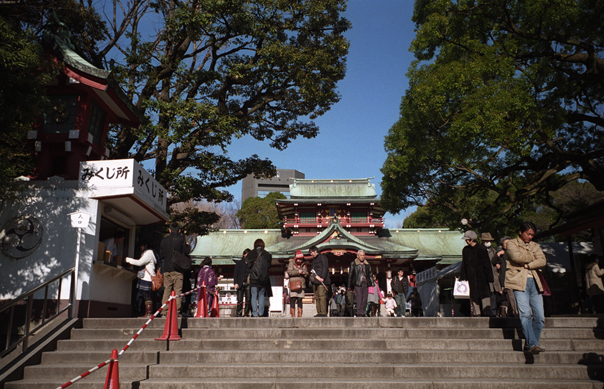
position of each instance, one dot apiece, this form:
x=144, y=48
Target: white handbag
x=461, y=289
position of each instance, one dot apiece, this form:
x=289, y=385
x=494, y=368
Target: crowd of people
x=503, y=281
x=507, y=281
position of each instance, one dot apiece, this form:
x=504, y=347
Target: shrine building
x=340, y=217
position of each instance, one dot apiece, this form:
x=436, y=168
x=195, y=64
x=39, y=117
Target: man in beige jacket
x=524, y=258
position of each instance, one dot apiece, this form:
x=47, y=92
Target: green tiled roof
x=226, y=246
x=431, y=242
x=352, y=188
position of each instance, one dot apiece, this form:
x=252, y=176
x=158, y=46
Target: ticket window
x=107, y=231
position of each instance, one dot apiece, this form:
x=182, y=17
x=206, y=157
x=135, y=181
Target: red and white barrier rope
x=97, y=367
x=84, y=374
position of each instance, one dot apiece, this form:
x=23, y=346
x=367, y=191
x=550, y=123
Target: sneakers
x=535, y=350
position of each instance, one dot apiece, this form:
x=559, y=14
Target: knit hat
x=299, y=254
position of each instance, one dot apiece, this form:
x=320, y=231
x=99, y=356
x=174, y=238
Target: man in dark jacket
x=320, y=280
x=241, y=286
x=360, y=277
x=400, y=288
x=476, y=269
x=258, y=262
x=173, y=280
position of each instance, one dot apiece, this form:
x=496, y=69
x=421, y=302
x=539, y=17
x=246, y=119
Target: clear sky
x=351, y=141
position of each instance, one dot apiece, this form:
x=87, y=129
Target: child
x=390, y=305
x=341, y=301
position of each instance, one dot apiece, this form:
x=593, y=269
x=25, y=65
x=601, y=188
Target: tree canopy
x=207, y=72
x=545, y=213
x=504, y=103
x=260, y=212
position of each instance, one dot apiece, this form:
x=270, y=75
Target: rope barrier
x=76, y=379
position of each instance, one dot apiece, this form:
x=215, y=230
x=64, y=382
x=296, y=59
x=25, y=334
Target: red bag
x=544, y=286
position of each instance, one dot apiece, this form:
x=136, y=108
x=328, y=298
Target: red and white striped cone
x=113, y=377
x=215, y=312
x=171, y=327
x=202, y=303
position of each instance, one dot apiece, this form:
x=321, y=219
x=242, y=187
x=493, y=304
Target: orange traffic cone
x=113, y=377
x=202, y=303
x=171, y=327
x=215, y=312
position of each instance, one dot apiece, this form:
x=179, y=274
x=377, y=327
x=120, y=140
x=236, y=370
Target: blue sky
x=351, y=141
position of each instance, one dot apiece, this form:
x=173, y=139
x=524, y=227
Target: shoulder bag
x=157, y=280
x=296, y=285
x=544, y=286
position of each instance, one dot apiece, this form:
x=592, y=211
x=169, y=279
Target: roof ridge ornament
x=58, y=30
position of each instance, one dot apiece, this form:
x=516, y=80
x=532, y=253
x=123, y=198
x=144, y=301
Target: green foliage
x=544, y=211
x=508, y=109
x=257, y=212
x=23, y=75
x=25, y=71
x=212, y=71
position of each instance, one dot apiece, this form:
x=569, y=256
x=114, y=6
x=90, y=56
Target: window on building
x=96, y=122
x=358, y=217
x=307, y=217
x=60, y=114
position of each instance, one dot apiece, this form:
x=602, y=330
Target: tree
x=260, y=212
x=545, y=212
x=208, y=71
x=505, y=98
x=224, y=214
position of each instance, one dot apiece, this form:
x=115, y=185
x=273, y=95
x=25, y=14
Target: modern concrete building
x=253, y=187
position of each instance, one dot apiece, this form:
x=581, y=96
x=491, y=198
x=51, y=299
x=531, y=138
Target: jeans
x=401, y=303
x=527, y=301
x=258, y=294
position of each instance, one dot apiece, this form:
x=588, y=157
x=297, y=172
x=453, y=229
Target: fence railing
x=28, y=299
x=344, y=220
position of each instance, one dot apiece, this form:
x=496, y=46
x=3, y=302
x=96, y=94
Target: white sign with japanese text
x=122, y=173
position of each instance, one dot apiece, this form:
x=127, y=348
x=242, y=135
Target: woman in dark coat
x=476, y=269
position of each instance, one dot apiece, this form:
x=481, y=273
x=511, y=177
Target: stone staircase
x=329, y=353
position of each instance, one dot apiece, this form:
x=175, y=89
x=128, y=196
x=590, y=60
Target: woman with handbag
x=374, y=296
x=145, y=284
x=297, y=271
x=207, y=276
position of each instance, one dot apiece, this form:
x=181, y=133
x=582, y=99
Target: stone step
x=284, y=322
x=96, y=357
x=376, y=344
x=129, y=371
x=339, y=383
x=143, y=344
x=335, y=332
x=91, y=382
x=375, y=357
x=98, y=381
x=370, y=371
x=350, y=356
